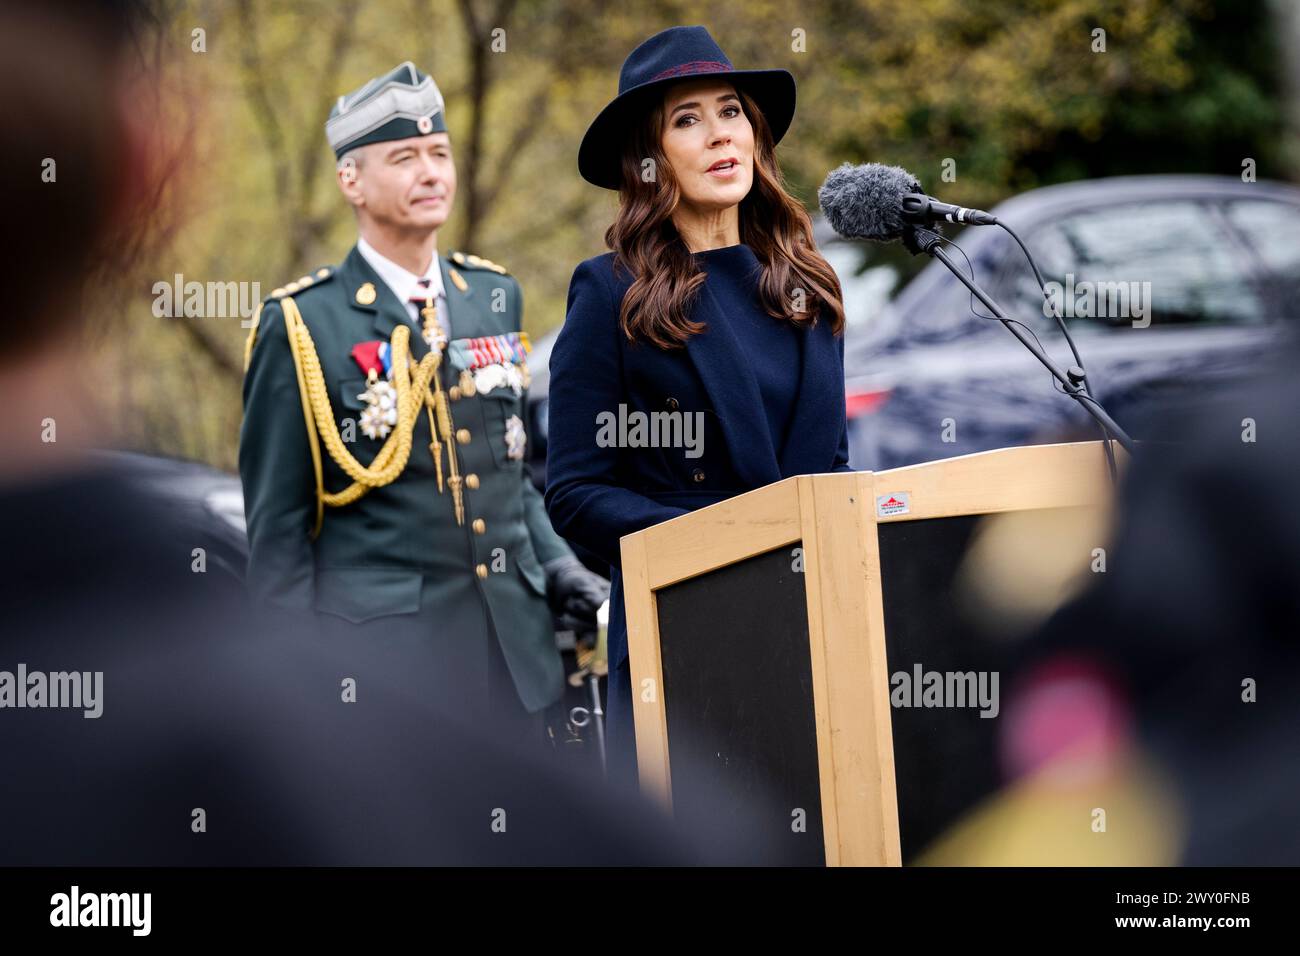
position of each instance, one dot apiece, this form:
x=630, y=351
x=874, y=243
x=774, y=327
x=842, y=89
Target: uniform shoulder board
x=476, y=262
x=315, y=278
x=289, y=288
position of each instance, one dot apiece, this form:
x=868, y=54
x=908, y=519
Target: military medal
x=490, y=362
x=498, y=376
x=515, y=438
x=379, y=416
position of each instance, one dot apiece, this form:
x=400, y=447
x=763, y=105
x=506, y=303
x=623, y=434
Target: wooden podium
x=763, y=632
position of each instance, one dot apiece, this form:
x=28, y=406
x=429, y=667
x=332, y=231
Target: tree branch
x=254, y=81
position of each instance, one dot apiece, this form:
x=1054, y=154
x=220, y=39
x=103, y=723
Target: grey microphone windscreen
x=865, y=202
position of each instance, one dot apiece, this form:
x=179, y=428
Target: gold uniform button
x=471, y=481
x=462, y=436
x=454, y=392
x=481, y=570
x=480, y=526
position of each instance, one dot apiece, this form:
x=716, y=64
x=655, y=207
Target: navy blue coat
x=597, y=495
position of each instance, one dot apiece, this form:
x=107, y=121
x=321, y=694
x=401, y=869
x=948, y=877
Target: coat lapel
x=462, y=308
x=462, y=313
x=733, y=390
x=814, y=430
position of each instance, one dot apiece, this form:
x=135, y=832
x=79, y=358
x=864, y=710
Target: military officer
x=383, y=445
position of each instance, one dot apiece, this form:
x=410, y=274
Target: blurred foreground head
x=74, y=161
x=83, y=164
x=1165, y=698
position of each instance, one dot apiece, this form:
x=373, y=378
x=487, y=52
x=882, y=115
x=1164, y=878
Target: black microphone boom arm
x=918, y=240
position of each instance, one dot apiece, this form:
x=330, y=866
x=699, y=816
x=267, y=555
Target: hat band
x=693, y=68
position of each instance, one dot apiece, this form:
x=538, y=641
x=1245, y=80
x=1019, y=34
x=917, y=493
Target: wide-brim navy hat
x=668, y=56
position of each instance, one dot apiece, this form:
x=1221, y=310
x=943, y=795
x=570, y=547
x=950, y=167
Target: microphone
x=866, y=202
x=886, y=203
x=881, y=203
x=922, y=210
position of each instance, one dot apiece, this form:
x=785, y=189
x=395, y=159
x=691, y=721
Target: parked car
x=927, y=378
x=205, y=499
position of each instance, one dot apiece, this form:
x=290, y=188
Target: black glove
x=573, y=591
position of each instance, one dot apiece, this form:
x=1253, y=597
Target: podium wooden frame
x=835, y=516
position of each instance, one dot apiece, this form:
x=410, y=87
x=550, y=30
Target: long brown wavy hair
x=666, y=278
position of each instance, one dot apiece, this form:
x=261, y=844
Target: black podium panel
x=945, y=758
x=738, y=701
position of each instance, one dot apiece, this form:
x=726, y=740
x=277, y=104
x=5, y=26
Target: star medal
x=379, y=415
x=515, y=438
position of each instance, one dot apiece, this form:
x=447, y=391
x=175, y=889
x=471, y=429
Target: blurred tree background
x=1015, y=93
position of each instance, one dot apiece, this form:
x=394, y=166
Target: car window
x=1273, y=230
x=1134, y=265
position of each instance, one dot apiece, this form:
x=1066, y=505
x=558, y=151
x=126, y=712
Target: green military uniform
x=398, y=562
x=385, y=490
x=382, y=458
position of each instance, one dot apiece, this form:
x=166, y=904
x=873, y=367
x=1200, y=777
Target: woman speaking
x=714, y=306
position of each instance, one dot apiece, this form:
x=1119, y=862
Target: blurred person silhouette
x=145, y=716
x=1171, y=687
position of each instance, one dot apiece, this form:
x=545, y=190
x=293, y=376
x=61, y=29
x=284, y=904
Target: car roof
x=1037, y=204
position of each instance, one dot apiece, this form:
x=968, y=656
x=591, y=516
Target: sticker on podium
x=896, y=504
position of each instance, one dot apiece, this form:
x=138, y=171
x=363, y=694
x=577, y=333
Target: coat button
x=480, y=526
x=481, y=570
x=471, y=482
x=673, y=404
x=697, y=475
x=454, y=393
x=462, y=436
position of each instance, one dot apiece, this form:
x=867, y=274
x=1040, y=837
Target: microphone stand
x=918, y=239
